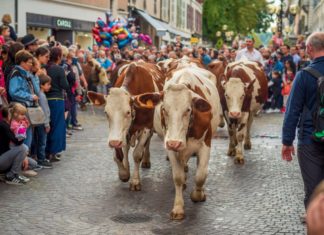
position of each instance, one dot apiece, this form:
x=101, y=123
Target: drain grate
x=131, y=218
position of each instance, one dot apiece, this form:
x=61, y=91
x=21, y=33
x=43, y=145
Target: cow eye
x=128, y=113
x=188, y=110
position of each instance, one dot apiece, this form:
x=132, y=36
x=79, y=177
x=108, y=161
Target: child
x=19, y=122
x=285, y=93
x=276, y=86
x=40, y=132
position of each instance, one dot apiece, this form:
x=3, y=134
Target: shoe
x=15, y=180
x=269, y=111
x=29, y=173
x=276, y=110
x=69, y=132
x=77, y=128
x=45, y=164
x=38, y=168
x=24, y=178
x=56, y=158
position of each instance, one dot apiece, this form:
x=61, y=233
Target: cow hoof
x=186, y=168
x=231, y=152
x=167, y=158
x=135, y=187
x=177, y=215
x=239, y=160
x=184, y=186
x=247, y=146
x=198, y=196
x=124, y=177
x=146, y=165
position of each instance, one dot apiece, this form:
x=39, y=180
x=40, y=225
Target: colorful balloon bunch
x=118, y=31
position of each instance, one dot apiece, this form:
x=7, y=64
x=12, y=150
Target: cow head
x=98, y=72
x=237, y=96
x=182, y=114
x=119, y=112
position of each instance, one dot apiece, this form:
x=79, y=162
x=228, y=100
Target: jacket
x=7, y=136
x=303, y=93
x=19, y=89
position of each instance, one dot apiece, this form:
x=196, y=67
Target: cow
x=187, y=115
x=127, y=122
x=242, y=94
x=94, y=73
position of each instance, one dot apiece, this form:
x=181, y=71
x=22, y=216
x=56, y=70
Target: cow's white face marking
x=177, y=111
x=119, y=114
x=234, y=95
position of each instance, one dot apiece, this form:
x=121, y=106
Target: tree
x=241, y=16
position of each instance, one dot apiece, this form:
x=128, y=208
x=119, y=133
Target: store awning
x=176, y=31
x=160, y=30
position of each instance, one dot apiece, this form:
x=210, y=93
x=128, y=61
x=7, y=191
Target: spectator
x=275, y=86
x=304, y=60
x=40, y=132
x=205, y=58
x=56, y=138
x=300, y=106
x=5, y=33
x=285, y=49
x=249, y=52
x=42, y=55
x=11, y=160
x=294, y=54
x=6, y=20
x=30, y=43
x=23, y=85
x=9, y=64
x=315, y=212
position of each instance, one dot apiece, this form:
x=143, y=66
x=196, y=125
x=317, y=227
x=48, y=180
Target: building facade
x=64, y=19
x=317, y=16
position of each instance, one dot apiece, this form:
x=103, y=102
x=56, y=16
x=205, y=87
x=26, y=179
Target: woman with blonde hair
x=6, y=20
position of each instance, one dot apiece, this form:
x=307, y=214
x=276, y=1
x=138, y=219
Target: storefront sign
x=194, y=40
x=63, y=23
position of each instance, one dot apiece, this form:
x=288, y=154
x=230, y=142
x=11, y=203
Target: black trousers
x=311, y=163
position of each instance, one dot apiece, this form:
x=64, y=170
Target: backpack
x=14, y=72
x=318, y=116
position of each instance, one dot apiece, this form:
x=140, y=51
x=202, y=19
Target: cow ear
x=147, y=100
x=223, y=81
x=201, y=105
x=96, y=98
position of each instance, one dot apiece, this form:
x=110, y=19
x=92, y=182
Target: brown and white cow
x=242, y=95
x=94, y=73
x=130, y=125
x=187, y=115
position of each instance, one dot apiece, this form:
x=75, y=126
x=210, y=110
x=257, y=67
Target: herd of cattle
x=184, y=103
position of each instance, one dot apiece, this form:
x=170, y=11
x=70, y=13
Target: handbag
x=36, y=115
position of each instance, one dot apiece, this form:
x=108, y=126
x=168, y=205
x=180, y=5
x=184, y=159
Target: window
x=155, y=8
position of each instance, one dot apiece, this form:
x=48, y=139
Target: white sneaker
x=269, y=111
x=276, y=110
x=23, y=178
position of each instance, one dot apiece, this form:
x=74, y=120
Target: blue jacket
x=19, y=90
x=303, y=92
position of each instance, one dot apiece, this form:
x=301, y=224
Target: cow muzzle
x=235, y=115
x=115, y=144
x=173, y=145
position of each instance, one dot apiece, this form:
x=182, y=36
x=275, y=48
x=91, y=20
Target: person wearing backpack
x=301, y=110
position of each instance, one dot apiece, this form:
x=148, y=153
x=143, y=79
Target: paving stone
x=82, y=193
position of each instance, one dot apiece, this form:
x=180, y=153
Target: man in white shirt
x=249, y=52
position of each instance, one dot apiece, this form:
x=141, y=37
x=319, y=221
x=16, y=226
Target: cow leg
x=239, y=158
x=121, y=158
x=247, y=141
x=146, y=163
x=135, y=184
x=232, y=140
x=198, y=194
x=178, y=173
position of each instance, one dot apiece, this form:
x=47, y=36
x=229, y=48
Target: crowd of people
x=48, y=74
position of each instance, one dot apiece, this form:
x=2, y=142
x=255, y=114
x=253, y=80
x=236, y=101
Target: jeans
x=311, y=163
x=39, y=143
x=11, y=161
x=29, y=137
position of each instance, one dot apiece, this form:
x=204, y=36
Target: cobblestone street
x=83, y=195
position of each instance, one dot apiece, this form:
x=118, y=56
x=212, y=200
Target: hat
x=28, y=39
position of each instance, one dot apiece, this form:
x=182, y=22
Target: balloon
x=106, y=43
x=135, y=35
x=97, y=38
x=122, y=43
x=107, y=29
x=134, y=43
x=95, y=30
x=122, y=36
x=105, y=35
x=117, y=31
x=101, y=23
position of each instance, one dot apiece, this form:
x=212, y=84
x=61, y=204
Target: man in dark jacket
x=300, y=107
x=11, y=160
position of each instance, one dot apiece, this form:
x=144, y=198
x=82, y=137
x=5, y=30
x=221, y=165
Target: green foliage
x=241, y=16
